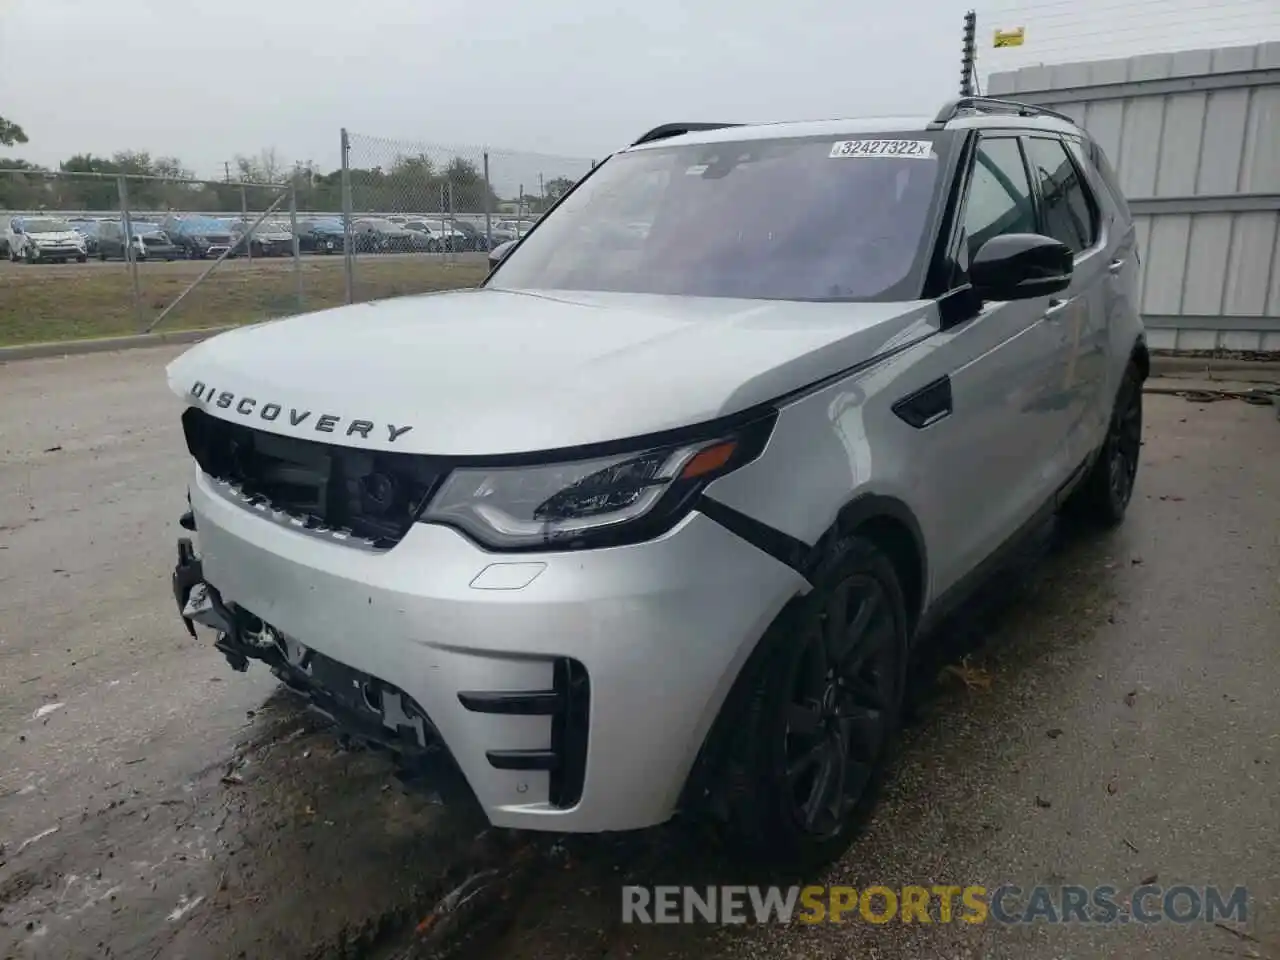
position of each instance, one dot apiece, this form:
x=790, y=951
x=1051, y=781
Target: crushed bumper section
x=369, y=710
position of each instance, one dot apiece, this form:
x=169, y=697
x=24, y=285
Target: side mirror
x=1020, y=266
x=497, y=254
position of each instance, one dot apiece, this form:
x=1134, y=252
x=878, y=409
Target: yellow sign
x=1010, y=38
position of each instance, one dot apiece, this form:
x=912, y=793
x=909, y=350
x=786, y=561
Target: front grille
x=372, y=496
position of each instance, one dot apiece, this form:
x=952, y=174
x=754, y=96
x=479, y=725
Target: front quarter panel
x=841, y=441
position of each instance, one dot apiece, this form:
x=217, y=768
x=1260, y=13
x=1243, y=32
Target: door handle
x=1055, y=307
x=1116, y=266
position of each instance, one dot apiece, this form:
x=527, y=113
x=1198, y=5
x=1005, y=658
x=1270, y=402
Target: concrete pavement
x=1120, y=721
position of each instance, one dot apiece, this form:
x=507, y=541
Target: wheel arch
x=888, y=523
x=891, y=525
x=1140, y=357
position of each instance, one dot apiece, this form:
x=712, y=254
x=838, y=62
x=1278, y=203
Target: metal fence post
x=488, y=212
x=348, y=242
x=126, y=223
x=453, y=227
x=244, y=215
x=293, y=232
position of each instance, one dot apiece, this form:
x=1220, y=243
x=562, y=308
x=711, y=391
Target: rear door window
x=1068, y=211
x=1098, y=158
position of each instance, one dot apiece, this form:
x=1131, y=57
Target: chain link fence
x=108, y=254
x=85, y=255
x=404, y=201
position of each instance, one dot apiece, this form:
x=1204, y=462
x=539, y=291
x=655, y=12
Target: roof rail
x=953, y=109
x=676, y=129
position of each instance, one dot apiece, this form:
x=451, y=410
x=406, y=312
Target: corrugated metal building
x=1195, y=138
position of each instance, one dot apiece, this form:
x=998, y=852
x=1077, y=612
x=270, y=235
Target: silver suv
x=655, y=518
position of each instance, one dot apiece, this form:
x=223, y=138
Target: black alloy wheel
x=808, y=731
x=837, y=719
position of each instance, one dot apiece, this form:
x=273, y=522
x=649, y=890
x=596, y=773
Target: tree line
x=409, y=183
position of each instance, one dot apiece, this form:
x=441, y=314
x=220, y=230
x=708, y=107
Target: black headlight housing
x=594, y=500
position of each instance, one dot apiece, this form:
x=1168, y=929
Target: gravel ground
x=1113, y=718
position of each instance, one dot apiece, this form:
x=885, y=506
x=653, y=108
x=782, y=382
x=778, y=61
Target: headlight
x=603, y=501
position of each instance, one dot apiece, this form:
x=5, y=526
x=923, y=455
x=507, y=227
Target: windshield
x=787, y=219
x=46, y=226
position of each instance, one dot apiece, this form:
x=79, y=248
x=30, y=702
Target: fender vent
x=927, y=405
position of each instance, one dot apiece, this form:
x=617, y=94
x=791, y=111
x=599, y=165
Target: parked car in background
x=378, y=235
x=321, y=235
x=87, y=227
x=423, y=237
x=272, y=238
x=516, y=228
x=435, y=237
x=199, y=237
x=473, y=237
x=149, y=242
x=44, y=239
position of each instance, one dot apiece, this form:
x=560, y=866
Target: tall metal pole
x=126, y=223
x=453, y=225
x=293, y=234
x=969, y=55
x=348, y=239
x=488, y=213
x=244, y=216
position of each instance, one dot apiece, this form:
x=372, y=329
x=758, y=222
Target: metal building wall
x=1195, y=138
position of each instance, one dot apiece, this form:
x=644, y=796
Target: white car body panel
x=472, y=383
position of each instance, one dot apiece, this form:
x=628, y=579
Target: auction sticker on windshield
x=909, y=149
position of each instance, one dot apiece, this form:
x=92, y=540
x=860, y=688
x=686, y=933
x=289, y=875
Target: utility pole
x=969, y=56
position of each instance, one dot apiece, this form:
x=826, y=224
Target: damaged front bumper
x=370, y=711
x=573, y=690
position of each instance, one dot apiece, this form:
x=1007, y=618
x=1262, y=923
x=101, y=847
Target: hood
x=55, y=236
x=485, y=372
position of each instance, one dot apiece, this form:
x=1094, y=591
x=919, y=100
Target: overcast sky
x=206, y=81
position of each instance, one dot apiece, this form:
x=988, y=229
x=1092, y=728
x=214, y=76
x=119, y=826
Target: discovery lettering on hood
x=323, y=423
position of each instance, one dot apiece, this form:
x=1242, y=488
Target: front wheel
x=1103, y=496
x=811, y=730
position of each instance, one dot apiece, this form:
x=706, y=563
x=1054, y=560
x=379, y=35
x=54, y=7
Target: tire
x=102, y=256
x=1102, y=498
x=802, y=717
x=30, y=257
x=83, y=258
